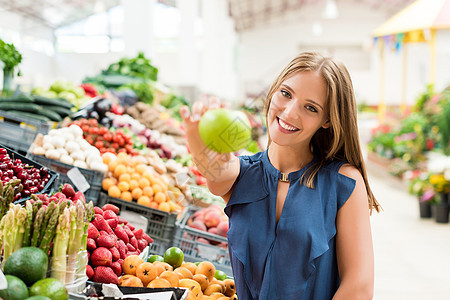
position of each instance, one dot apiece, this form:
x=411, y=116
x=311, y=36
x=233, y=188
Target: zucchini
x=21, y=106
x=18, y=98
x=29, y=115
x=53, y=116
x=49, y=101
x=62, y=111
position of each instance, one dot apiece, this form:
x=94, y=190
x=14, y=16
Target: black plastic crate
x=94, y=178
x=160, y=224
x=53, y=178
x=18, y=133
x=192, y=242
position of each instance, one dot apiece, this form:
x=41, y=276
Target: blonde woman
x=298, y=211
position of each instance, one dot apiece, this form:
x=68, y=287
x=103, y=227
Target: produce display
x=110, y=241
x=210, y=219
x=201, y=278
x=19, y=179
x=36, y=107
x=57, y=224
x=136, y=178
x=67, y=90
x=68, y=146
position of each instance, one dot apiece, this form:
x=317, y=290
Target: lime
x=174, y=257
x=224, y=130
x=154, y=258
x=28, y=263
x=17, y=289
x=38, y=298
x=51, y=288
x=220, y=275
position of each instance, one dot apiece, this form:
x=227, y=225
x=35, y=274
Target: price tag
x=151, y=296
x=135, y=219
x=78, y=179
x=208, y=252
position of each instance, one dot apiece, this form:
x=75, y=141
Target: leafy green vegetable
x=139, y=66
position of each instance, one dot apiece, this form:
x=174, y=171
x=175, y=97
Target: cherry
x=35, y=182
x=26, y=193
x=3, y=166
x=3, y=151
x=17, y=162
x=9, y=172
x=28, y=183
x=43, y=171
x=41, y=186
x=33, y=189
x=17, y=169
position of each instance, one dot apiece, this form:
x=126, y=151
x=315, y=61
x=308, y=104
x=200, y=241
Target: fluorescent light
x=331, y=10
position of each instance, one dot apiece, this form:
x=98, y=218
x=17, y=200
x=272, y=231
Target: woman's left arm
x=354, y=243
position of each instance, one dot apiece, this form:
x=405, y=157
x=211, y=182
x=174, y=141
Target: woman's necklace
x=283, y=177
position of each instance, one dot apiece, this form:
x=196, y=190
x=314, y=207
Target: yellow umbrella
x=428, y=15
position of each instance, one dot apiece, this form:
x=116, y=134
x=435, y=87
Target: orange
x=114, y=191
x=148, y=191
x=136, y=176
x=144, y=200
x=143, y=182
x=160, y=197
x=141, y=168
x=157, y=188
x=190, y=266
x=136, y=193
x=149, y=176
x=108, y=157
x=133, y=184
x=130, y=264
x=112, y=165
x=159, y=283
x=170, y=277
x=154, y=204
x=107, y=183
x=126, y=196
x=206, y=268
x=164, y=207
x=184, y=273
x=119, y=170
x=146, y=272
x=124, y=186
x=123, y=158
x=125, y=177
x=130, y=280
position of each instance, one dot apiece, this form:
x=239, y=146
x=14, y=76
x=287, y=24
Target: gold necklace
x=284, y=177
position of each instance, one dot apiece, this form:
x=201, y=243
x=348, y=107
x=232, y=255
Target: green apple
x=224, y=130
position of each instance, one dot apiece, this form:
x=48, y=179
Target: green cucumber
x=53, y=116
x=21, y=106
x=29, y=115
x=49, y=101
x=18, y=98
x=62, y=111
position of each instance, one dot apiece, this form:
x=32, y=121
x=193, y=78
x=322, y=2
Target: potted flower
x=420, y=186
x=441, y=207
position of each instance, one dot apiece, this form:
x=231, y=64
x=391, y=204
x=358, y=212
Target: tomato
x=84, y=122
x=85, y=128
x=121, y=141
x=99, y=144
x=122, y=150
x=108, y=137
x=77, y=122
x=115, y=146
x=224, y=130
x=102, y=150
x=116, y=138
x=93, y=130
x=93, y=122
x=89, y=140
x=102, y=130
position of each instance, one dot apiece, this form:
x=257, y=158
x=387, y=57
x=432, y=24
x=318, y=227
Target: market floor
x=412, y=255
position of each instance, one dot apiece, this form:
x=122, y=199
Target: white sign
x=78, y=179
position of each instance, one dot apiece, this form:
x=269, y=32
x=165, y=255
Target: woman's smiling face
x=298, y=108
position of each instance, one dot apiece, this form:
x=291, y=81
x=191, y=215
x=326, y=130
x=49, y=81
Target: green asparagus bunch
x=7, y=193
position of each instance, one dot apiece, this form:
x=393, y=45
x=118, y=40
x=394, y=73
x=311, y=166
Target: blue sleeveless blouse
x=296, y=258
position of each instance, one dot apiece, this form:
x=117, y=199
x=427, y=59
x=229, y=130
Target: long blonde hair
x=341, y=140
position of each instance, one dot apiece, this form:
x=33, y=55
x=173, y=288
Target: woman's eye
x=286, y=93
x=311, y=108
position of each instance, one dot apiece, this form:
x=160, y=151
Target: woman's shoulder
x=252, y=158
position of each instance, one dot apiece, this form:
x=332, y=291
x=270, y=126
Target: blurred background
x=397, y=52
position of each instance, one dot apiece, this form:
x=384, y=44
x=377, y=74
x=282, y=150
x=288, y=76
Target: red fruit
x=89, y=271
x=112, y=223
x=109, y=214
x=120, y=261
x=112, y=207
x=79, y=196
x=88, y=255
x=105, y=275
x=132, y=228
x=98, y=210
x=128, y=231
x=122, y=249
x=117, y=268
x=134, y=242
x=122, y=220
x=198, y=225
x=133, y=253
x=138, y=233
x=101, y=224
x=106, y=241
x=147, y=238
x=101, y=257
x=142, y=244
x=115, y=253
x=93, y=232
x=91, y=245
x=43, y=197
x=68, y=190
x=130, y=247
x=222, y=228
x=121, y=234
x=59, y=195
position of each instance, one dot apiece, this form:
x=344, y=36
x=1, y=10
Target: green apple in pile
x=224, y=130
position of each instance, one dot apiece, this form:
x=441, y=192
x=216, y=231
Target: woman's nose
x=291, y=110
